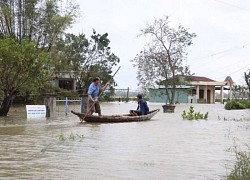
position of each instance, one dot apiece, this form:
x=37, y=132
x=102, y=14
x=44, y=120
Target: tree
x=86, y=58
x=239, y=91
x=161, y=60
x=41, y=21
x=21, y=68
x=28, y=31
x=247, y=80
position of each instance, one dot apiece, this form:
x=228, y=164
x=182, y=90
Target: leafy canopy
x=29, y=30
x=22, y=67
x=85, y=58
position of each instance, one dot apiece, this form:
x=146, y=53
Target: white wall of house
x=208, y=91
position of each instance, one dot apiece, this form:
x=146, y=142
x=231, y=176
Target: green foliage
x=61, y=137
x=237, y=104
x=21, y=66
x=247, y=80
x=191, y=115
x=239, y=91
x=86, y=58
x=70, y=94
x=28, y=32
x=246, y=103
x=242, y=166
x=71, y=137
x=106, y=96
x=39, y=21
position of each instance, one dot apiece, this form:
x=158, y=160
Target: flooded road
x=165, y=147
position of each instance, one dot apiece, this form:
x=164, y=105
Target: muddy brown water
x=165, y=147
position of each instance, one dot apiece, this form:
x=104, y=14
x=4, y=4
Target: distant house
x=197, y=90
x=64, y=80
x=181, y=95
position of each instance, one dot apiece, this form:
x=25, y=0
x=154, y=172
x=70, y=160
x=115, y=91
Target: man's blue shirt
x=94, y=90
x=143, y=107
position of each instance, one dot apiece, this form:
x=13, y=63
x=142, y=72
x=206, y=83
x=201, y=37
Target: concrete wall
x=184, y=96
x=158, y=95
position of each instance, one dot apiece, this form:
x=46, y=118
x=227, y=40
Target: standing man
x=93, y=94
x=142, y=108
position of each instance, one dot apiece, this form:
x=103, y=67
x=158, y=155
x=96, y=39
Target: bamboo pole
x=82, y=119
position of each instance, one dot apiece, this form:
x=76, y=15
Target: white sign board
x=36, y=111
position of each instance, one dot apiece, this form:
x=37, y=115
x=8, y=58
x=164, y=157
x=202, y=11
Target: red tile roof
x=200, y=78
x=229, y=81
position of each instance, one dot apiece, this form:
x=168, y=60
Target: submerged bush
x=246, y=103
x=242, y=166
x=72, y=137
x=237, y=104
x=191, y=115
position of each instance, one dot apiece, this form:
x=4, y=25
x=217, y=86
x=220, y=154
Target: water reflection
x=164, y=148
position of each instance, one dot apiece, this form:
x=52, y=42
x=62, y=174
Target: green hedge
x=237, y=104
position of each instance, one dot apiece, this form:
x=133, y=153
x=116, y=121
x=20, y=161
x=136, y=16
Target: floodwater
x=165, y=147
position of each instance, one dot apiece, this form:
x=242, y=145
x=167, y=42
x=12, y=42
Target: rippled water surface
x=165, y=147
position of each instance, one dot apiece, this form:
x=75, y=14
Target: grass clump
x=191, y=115
x=242, y=166
x=72, y=137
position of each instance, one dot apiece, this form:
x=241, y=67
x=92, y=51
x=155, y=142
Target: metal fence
x=66, y=105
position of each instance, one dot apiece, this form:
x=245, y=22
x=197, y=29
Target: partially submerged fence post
x=127, y=99
x=84, y=103
x=66, y=106
x=50, y=103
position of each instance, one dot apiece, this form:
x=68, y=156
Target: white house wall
x=206, y=98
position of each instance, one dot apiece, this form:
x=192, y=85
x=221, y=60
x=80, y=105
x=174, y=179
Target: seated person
x=142, y=108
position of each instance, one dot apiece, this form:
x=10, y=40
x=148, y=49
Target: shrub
x=236, y=104
x=246, y=103
x=191, y=115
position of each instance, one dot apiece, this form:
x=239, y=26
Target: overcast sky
x=221, y=48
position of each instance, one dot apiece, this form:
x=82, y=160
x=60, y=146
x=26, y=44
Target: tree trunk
x=173, y=94
x=5, y=107
x=168, y=96
x=249, y=93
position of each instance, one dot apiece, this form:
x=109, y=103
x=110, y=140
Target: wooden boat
x=115, y=118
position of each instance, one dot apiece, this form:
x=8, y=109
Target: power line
x=228, y=50
x=245, y=67
x=232, y=5
x=240, y=69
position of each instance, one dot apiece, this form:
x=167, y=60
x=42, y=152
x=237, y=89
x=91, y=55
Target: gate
x=63, y=106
